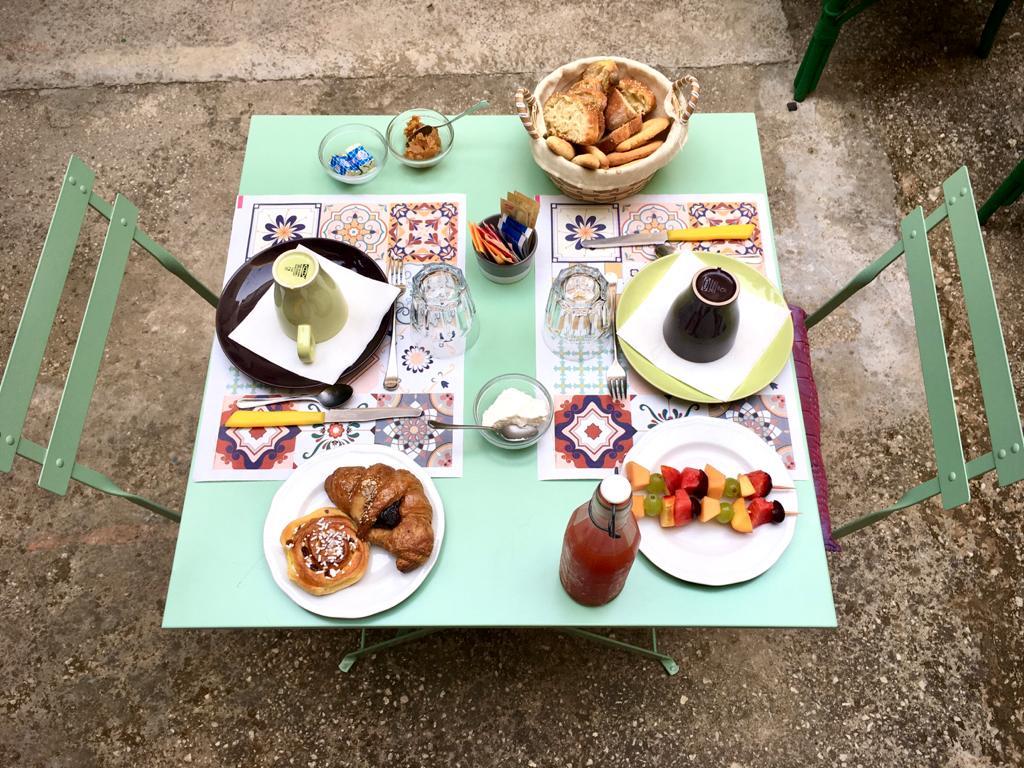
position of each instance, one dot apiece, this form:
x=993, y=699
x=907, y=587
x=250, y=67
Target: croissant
x=389, y=509
x=324, y=553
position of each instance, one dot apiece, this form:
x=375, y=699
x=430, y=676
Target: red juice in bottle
x=600, y=544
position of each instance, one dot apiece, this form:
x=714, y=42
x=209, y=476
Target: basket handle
x=679, y=87
x=526, y=107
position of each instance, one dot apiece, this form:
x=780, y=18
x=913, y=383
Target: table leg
x=407, y=635
x=403, y=636
x=667, y=661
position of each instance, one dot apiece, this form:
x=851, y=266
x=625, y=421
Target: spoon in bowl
x=426, y=129
x=510, y=431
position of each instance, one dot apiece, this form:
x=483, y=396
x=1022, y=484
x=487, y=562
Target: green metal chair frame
x=58, y=457
x=1000, y=402
x=1011, y=190
x=835, y=13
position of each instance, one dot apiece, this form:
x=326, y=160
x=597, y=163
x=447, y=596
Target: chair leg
x=1008, y=192
x=826, y=32
x=995, y=20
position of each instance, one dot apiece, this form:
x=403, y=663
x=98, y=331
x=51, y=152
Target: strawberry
x=672, y=478
x=761, y=482
x=694, y=482
x=686, y=508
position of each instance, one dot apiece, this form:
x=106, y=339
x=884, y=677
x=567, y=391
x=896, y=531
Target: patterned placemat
x=420, y=230
x=591, y=431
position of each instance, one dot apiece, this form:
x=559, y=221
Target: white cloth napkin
x=760, y=321
x=368, y=301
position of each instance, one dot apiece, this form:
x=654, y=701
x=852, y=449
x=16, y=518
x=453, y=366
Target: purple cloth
x=812, y=420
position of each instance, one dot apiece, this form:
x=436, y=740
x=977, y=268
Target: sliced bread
x=618, y=111
x=606, y=71
x=620, y=134
x=572, y=117
x=591, y=91
x=639, y=96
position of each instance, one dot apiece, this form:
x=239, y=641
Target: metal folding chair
x=1000, y=402
x=1007, y=193
x=58, y=458
x=835, y=13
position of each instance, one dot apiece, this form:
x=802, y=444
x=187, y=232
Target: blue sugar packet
x=354, y=161
x=514, y=233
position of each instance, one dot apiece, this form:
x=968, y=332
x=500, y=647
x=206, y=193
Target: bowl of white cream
x=517, y=398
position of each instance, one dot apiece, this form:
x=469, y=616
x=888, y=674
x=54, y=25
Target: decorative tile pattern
x=586, y=433
x=424, y=232
x=571, y=223
x=648, y=411
x=415, y=437
x=765, y=416
x=709, y=214
x=363, y=225
x=275, y=223
x=650, y=217
x=416, y=359
x=419, y=230
x=592, y=431
x=261, y=448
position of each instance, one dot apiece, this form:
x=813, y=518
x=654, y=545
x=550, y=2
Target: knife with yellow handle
x=302, y=418
x=690, y=235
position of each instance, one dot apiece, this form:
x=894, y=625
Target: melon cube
x=637, y=475
x=716, y=482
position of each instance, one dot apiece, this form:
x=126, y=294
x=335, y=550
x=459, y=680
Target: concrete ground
x=926, y=666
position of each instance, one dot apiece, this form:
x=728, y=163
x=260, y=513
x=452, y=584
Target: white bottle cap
x=616, y=490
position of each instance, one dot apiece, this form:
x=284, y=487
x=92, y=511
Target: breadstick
x=561, y=147
x=587, y=161
x=650, y=129
x=621, y=158
x=592, y=150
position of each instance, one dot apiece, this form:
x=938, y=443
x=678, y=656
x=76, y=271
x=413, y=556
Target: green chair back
x=1000, y=402
x=58, y=458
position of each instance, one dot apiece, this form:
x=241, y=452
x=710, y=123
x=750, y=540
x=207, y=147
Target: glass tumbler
x=576, y=319
x=443, y=312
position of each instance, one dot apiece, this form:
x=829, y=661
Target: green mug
x=309, y=304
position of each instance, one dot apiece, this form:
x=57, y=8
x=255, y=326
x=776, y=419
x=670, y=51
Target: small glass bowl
x=489, y=393
x=395, y=135
x=338, y=140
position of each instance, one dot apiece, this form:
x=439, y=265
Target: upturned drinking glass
x=443, y=312
x=576, y=319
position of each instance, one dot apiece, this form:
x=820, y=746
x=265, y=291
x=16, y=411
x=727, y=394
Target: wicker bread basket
x=675, y=100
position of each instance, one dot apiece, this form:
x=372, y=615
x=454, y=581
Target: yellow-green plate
x=764, y=371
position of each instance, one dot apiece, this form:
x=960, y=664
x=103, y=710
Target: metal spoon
x=328, y=397
x=426, y=129
x=514, y=433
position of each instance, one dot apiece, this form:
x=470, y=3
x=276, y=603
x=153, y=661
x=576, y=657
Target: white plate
x=383, y=586
x=711, y=553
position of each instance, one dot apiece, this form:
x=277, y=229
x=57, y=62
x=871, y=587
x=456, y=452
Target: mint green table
x=499, y=562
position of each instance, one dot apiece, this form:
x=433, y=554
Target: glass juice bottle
x=600, y=544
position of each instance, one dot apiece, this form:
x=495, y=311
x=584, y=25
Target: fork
x=391, y=380
x=615, y=376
